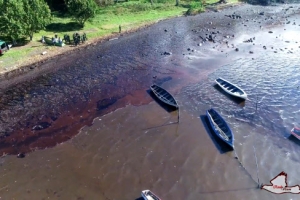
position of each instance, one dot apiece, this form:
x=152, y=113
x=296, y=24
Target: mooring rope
x=241, y=164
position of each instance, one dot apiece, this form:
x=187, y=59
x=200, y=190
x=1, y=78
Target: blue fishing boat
x=220, y=127
x=231, y=88
x=148, y=195
x=296, y=132
x=163, y=95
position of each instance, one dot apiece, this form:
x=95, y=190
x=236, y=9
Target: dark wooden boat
x=230, y=88
x=163, y=95
x=220, y=127
x=148, y=195
x=296, y=132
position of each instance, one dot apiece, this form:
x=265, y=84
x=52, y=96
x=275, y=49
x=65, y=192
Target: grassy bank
x=129, y=15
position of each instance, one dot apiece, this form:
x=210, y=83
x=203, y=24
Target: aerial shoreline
x=31, y=68
x=90, y=129
x=117, y=73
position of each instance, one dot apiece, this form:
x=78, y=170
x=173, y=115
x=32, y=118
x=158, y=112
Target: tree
x=177, y=3
x=37, y=16
x=20, y=18
x=81, y=10
x=11, y=23
x=56, y=5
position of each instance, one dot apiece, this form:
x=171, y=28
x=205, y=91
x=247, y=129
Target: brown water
x=122, y=154
x=135, y=147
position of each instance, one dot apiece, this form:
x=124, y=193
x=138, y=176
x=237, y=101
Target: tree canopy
x=20, y=18
x=81, y=10
x=10, y=19
x=37, y=16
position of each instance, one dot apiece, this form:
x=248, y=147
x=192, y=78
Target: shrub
x=104, y=2
x=195, y=7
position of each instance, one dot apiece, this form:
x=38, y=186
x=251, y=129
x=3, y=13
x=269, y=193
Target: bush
x=104, y=2
x=82, y=10
x=195, y=7
x=120, y=10
x=137, y=7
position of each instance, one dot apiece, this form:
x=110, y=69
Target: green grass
x=129, y=15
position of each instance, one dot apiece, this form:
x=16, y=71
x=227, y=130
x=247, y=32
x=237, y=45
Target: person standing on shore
x=74, y=39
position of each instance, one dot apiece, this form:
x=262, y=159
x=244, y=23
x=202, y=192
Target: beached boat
x=49, y=42
x=148, y=195
x=163, y=95
x=220, y=127
x=296, y=132
x=230, y=88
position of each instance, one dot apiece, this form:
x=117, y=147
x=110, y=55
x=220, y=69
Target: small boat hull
x=148, y=195
x=49, y=42
x=296, y=132
x=231, y=88
x=164, y=95
x=220, y=127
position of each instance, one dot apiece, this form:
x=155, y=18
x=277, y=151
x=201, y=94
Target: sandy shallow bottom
x=178, y=161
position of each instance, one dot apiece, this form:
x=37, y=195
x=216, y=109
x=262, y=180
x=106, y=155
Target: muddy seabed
x=118, y=154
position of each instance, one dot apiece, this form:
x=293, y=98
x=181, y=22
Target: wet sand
x=121, y=153
x=125, y=152
x=171, y=160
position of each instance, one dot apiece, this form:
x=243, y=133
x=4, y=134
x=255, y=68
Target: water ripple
x=273, y=90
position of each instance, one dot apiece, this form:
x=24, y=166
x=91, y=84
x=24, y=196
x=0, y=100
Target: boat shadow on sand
x=239, y=101
x=220, y=145
x=295, y=140
x=140, y=198
x=165, y=106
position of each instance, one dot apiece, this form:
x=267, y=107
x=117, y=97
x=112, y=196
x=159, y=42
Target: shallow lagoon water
x=117, y=155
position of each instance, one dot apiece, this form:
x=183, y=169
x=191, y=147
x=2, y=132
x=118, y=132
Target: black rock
x=41, y=126
x=104, y=103
x=21, y=155
x=54, y=118
x=167, y=53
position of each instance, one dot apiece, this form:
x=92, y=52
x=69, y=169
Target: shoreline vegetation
x=130, y=16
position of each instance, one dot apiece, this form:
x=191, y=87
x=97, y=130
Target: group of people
x=77, y=38
x=56, y=39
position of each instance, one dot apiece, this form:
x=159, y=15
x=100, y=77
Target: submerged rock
x=104, y=103
x=41, y=126
x=167, y=53
x=21, y=155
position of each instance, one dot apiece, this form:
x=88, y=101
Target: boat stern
x=296, y=132
x=144, y=194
